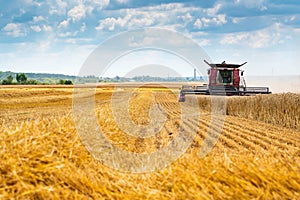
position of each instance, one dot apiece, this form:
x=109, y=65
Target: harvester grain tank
x=224, y=79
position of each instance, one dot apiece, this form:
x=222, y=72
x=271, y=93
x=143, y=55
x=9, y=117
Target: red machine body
x=224, y=79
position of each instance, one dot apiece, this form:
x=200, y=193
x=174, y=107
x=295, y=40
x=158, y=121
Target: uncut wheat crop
x=257, y=155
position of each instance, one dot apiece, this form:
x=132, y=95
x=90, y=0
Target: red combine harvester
x=224, y=79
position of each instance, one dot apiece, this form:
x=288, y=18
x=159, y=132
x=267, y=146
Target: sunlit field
x=256, y=157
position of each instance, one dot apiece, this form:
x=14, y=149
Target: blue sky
x=57, y=36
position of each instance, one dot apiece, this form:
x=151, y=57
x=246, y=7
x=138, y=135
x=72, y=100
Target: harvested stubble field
x=42, y=157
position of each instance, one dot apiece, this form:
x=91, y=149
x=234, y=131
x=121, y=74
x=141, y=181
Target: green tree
x=21, y=78
x=68, y=82
x=32, y=82
x=8, y=80
x=61, y=82
x=65, y=82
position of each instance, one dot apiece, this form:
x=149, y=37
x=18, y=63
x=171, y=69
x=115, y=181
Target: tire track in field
x=168, y=103
x=205, y=124
x=202, y=126
x=268, y=130
x=259, y=136
x=252, y=139
x=247, y=136
x=239, y=133
x=237, y=139
x=242, y=135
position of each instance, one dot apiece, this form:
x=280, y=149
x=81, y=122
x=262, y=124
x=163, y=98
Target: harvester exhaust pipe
x=206, y=62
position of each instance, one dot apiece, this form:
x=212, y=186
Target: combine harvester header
x=224, y=79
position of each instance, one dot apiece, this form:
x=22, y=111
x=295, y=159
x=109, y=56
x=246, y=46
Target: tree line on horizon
x=12, y=78
x=22, y=79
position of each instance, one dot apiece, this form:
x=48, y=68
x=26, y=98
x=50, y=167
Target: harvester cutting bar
x=226, y=91
x=223, y=91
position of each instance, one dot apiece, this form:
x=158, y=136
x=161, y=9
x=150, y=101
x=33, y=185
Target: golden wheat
x=42, y=157
x=278, y=109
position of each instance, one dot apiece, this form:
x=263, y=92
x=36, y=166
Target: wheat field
x=42, y=157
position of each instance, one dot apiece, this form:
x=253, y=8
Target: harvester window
x=225, y=77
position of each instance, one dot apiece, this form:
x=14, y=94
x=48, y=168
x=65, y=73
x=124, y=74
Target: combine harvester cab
x=224, y=79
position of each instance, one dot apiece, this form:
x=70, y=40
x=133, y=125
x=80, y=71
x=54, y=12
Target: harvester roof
x=225, y=65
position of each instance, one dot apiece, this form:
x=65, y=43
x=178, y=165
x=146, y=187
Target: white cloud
x=257, y=39
x=28, y=1
x=41, y=28
x=213, y=11
x=174, y=16
x=101, y=3
x=138, y=18
x=77, y=40
x=186, y=17
x=59, y=8
x=263, y=8
x=38, y=19
x=198, y=24
x=122, y=1
x=61, y=4
x=235, y=20
x=220, y=19
x=204, y=42
x=210, y=17
x=140, y=22
x=290, y=18
x=77, y=12
x=217, y=20
x=170, y=7
x=71, y=41
x=65, y=34
x=15, y=30
x=110, y=23
x=198, y=35
x=235, y=38
x=32, y=2
x=47, y=28
x=63, y=24
x=127, y=22
x=36, y=28
x=293, y=18
x=259, y=4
